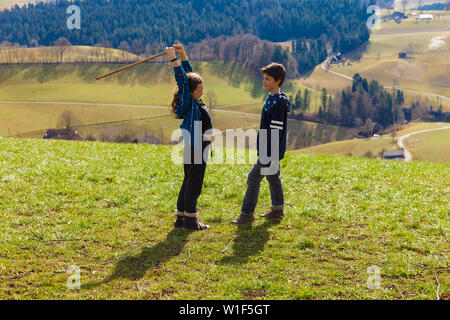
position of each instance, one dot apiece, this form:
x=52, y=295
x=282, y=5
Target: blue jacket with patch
x=186, y=107
x=274, y=116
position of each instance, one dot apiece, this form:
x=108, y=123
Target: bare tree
x=105, y=46
x=211, y=99
x=68, y=120
x=34, y=43
x=62, y=44
x=124, y=47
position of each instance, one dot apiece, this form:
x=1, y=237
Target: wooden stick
x=131, y=65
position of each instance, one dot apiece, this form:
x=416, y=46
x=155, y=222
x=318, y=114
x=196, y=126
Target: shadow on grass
x=249, y=241
x=134, y=267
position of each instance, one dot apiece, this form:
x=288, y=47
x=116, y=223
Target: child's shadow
x=135, y=267
x=249, y=241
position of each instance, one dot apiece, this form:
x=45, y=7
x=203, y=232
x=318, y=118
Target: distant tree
x=277, y=54
x=299, y=101
x=211, y=99
x=137, y=47
x=104, y=47
x=124, y=47
x=306, y=100
x=68, y=120
x=62, y=44
x=324, y=99
x=34, y=43
x=368, y=127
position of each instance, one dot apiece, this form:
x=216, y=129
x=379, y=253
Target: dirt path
x=117, y=105
x=112, y=105
x=400, y=141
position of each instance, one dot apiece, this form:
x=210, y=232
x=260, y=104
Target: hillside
x=188, y=21
x=108, y=209
x=33, y=96
x=431, y=146
x=426, y=74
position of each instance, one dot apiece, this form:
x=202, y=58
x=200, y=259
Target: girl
x=187, y=105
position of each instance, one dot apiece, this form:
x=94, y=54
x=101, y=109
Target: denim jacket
x=186, y=107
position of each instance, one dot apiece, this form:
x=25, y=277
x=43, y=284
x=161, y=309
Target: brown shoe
x=273, y=214
x=243, y=219
x=191, y=222
x=180, y=220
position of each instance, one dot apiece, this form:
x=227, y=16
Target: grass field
x=430, y=146
x=70, y=54
x=150, y=84
x=109, y=209
x=418, y=126
x=26, y=117
x=354, y=147
x=235, y=87
x=435, y=151
x=7, y=4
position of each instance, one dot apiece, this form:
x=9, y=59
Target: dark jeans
x=253, y=185
x=192, y=185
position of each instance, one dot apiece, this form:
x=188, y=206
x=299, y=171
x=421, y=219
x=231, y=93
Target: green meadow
x=430, y=146
x=109, y=208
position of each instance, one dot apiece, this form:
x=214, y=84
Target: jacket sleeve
x=277, y=119
x=184, y=95
x=187, y=66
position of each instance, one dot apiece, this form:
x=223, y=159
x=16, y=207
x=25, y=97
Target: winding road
x=407, y=154
x=323, y=66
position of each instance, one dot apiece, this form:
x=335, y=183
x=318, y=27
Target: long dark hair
x=194, y=80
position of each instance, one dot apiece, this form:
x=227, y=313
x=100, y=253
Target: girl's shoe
x=180, y=219
x=191, y=222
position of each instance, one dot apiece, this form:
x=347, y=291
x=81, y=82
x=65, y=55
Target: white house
x=425, y=17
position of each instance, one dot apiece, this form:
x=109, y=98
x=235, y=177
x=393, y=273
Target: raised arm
x=184, y=95
x=184, y=58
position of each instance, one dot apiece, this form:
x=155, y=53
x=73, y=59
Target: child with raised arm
x=187, y=105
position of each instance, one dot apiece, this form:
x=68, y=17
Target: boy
x=273, y=125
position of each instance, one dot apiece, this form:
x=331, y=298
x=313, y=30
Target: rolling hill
x=425, y=74
x=430, y=146
x=33, y=96
x=109, y=208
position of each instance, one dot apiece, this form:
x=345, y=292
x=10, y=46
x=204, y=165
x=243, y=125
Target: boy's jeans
x=253, y=184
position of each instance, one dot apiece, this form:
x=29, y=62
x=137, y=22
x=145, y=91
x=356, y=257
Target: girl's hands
x=180, y=49
x=171, y=53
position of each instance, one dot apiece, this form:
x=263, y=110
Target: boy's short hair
x=276, y=71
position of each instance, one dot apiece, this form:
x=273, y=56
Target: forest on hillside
x=311, y=25
x=367, y=105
